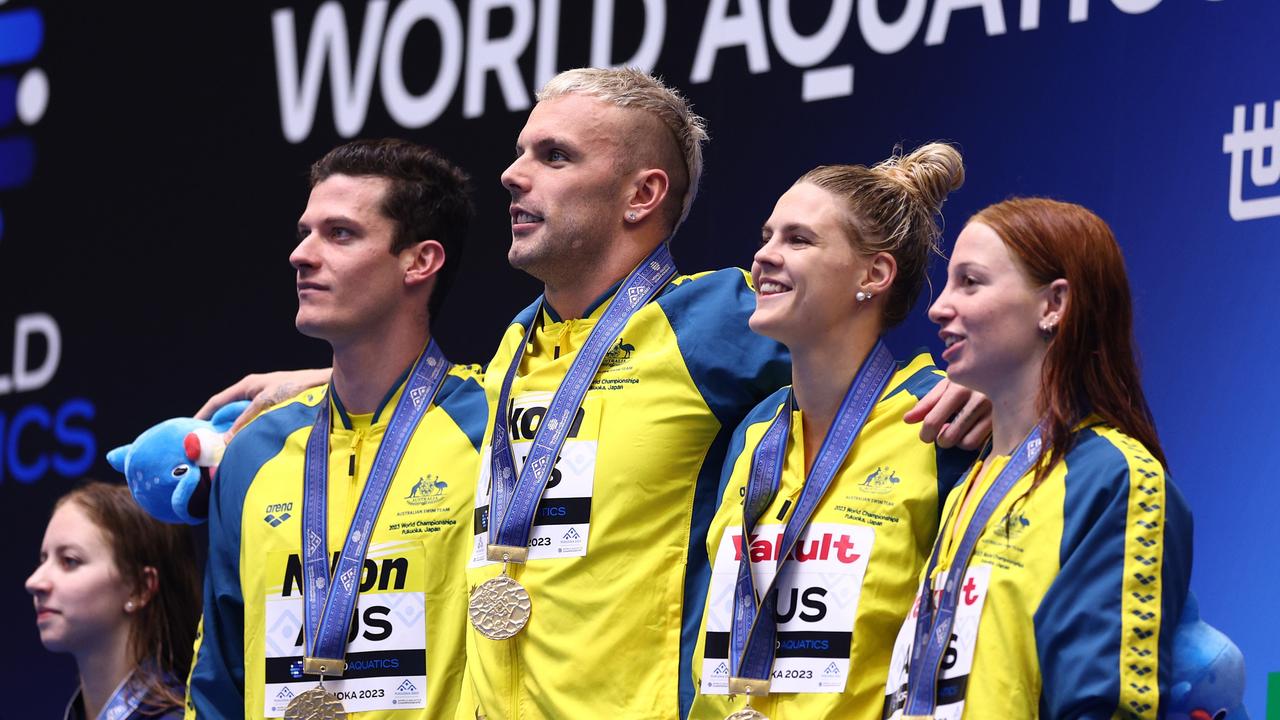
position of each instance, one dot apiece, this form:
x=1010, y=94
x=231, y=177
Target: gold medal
x=315, y=704
x=751, y=687
x=499, y=607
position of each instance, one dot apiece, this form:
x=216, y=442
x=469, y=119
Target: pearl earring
x=129, y=606
x=862, y=296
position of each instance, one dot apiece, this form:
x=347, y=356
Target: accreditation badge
x=562, y=523
x=386, y=660
x=817, y=604
x=953, y=675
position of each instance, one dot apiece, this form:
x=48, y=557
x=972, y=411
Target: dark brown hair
x=1090, y=365
x=164, y=628
x=428, y=198
x=891, y=208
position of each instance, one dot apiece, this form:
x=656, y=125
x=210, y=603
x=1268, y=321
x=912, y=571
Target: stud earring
x=862, y=296
x=1049, y=326
x=632, y=216
x=129, y=606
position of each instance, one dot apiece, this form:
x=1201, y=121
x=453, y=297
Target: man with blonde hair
x=644, y=374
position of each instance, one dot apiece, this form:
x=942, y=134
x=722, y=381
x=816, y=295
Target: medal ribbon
x=933, y=626
x=514, y=499
x=126, y=699
x=331, y=600
x=754, y=632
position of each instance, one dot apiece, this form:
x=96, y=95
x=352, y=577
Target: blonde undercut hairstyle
x=636, y=89
x=893, y=207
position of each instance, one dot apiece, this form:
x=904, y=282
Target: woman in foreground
x=1063, y=560
x=118, y=591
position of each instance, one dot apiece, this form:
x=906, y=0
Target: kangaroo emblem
x=427, y=489
x=880, y=481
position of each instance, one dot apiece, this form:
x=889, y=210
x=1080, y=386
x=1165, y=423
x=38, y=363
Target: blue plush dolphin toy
x=168, y=466
x=1208, y=671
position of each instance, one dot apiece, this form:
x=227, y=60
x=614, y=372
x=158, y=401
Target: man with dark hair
x=426, y=197
x=331, y=510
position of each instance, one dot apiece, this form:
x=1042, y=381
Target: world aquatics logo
x=24, y=95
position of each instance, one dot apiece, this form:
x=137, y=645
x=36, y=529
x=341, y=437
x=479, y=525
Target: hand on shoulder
x=952, y=415
x=262, y=390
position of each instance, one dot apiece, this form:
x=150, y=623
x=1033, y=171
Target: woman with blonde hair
x=119, y=591
x=1062, y=566
x=830, y=501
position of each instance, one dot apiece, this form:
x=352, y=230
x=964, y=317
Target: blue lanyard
x=331, y=600
x=933, y=626
x=515, y=497
x=123, y=701
x=755, y=628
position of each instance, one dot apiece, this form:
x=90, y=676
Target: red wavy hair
x=1090, y=365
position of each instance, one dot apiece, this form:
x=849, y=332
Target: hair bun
x=930, y=172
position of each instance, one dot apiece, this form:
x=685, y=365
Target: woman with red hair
x=1063, y=560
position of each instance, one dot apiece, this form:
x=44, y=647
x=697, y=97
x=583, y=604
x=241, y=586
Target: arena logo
x=468, y=54
x=21, y=98
x=1259, y=140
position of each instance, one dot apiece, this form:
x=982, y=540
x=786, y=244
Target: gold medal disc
x=315, y=704
x=748, y=713
x=499, y=608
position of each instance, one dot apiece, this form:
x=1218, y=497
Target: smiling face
x=348, y=280
x=78, y=592
x=567, y=186
x=989, y=314
x=806, y=270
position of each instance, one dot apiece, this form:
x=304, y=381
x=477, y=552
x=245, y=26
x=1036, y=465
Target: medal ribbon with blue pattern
x=934, y=623
x=754, y=632
x=126, y=699
x=514, y=498
x=331, y=600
